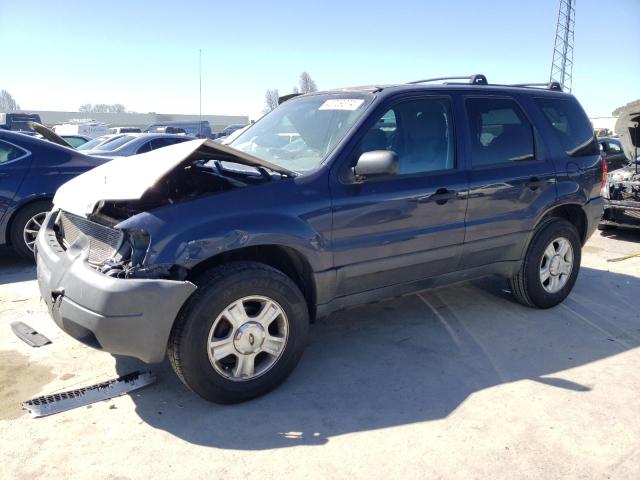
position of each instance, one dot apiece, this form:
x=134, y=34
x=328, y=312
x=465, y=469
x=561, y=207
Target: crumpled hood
x=128, y=178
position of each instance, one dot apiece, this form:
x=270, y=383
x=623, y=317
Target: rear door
x=511, y=179
x=408, y=226
x=14, y=165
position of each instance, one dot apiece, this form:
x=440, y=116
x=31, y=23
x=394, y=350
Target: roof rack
x=284, y=98
x=477, y=79
x=550, y=85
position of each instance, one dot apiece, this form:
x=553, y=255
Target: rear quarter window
x=571, y=125
x=9, y=152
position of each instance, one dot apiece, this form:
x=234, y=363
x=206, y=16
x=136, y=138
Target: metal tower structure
x=562, y=65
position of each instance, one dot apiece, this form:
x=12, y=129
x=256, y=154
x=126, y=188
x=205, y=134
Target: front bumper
x=130, y=317
x=621, y=213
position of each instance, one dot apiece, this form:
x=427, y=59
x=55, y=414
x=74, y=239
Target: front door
x=408, y=226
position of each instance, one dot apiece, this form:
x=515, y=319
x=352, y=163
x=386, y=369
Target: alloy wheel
x=248, y=338
x=31, y=229
x=556, y=265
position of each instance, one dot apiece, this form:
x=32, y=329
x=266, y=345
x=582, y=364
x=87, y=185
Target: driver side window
x=419, y=131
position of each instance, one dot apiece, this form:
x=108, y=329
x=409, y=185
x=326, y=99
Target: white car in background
x=86, y=128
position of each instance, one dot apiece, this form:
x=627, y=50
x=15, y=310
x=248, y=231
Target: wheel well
x=288, y=260
x=574, y=214
x=7, y=232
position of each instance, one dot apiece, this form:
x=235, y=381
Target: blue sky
x=59, y=55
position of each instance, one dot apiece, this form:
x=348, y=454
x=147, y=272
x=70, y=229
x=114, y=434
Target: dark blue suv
x=221, y=255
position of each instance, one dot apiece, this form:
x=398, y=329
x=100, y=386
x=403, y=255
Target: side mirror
x=376, y=163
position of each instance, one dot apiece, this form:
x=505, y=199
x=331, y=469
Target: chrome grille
x=103, y=241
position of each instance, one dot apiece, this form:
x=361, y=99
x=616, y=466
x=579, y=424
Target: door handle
x=443, y=195
x=535, y=183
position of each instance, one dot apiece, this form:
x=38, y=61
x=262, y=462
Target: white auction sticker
x=342, y=104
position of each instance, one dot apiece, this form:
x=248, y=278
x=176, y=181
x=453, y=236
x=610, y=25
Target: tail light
x=603, y=183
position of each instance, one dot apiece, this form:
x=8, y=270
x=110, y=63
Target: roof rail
x=549, y=86
x=284, y=98
x=477, y=79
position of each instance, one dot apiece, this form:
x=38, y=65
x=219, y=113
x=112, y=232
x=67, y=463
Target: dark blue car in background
x=31, y=170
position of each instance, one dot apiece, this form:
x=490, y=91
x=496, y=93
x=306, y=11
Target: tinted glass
x=500, y=133
x=570, y=124
x=419, y=131
x=10, y=152
x=146, y=147
x=164, y=142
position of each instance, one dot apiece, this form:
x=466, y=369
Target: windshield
x=114, y=143
x=300, y=133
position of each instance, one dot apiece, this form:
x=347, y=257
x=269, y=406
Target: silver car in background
x=135, y=143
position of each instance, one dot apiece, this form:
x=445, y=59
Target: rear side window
x=614, y=147
x=570, y=124
x=500, y=132
x=10, y=152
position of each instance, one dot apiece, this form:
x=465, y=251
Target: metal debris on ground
x=60, y=402
x=624, y=258
x=28, y=335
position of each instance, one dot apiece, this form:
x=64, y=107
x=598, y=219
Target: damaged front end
x=94, y=252
x=116, y=192
x=622, y=198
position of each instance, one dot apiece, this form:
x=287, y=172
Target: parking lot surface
x=459, y=382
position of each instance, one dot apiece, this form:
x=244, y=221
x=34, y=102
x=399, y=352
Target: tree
x=7, y=102
x=295, y=90
x=117, y=108
x=307, y=84
x=271, y=97
x=85, y=108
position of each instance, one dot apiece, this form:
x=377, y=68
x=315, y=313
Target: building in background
x=140, y=120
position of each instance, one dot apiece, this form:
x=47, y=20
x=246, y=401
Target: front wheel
x=241, y=334
x=550, y=267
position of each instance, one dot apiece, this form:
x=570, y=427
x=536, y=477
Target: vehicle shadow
x=407, y=360
x=621, y=233
x=15, y=268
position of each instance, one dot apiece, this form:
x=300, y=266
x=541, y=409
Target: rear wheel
x=550, y=267
x=241, y=334
x=25, y=227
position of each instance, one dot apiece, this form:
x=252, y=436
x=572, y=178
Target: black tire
x=19, y=223
x=217, y=289
x=526, y=285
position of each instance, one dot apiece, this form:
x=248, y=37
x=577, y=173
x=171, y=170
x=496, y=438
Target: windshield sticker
x=341, y=104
